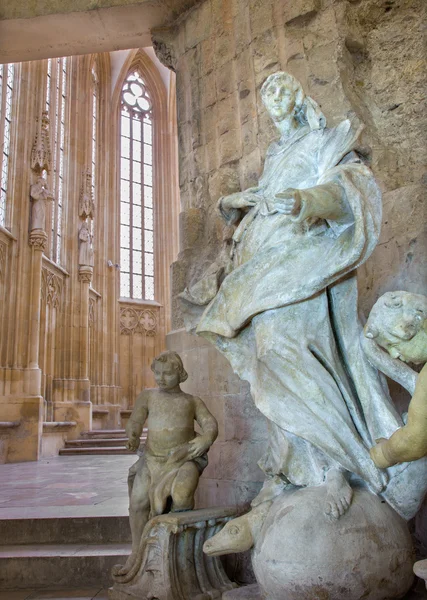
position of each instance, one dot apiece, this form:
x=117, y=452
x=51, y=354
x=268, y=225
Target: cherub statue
x=398, y=325
x=165, y=477
x=39, y=194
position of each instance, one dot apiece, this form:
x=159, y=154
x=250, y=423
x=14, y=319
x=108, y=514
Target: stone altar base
x=172, y=565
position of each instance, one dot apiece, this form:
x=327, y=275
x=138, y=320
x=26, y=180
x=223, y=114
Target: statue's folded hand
x=133, y=442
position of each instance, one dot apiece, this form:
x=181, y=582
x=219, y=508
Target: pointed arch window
x=56, y=106
x=136, y=190
x=6, y=96
x=95, y=116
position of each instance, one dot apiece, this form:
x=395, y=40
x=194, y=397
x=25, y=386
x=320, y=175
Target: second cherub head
x=168, y=370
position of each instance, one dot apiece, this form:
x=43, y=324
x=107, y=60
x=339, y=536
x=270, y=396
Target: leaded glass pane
x=148, y=241
x=137, y=286
x=137, y=262
x=148, y=196
x=136, y=190
x=124, y=260
x=149, y=288
x=137, y=215
x=125, y=147
x=125, y=126
x=124, y=285
x=125, y=168
x=149, y=264
x=148, y=175
x=148, y=218
x=125, y=213
x=136, y=130
x=148, y=154
x=147, y=132
x=136, y=150
x=124, y=190
x=137, y=238
x=136, y=173
x=124, y=236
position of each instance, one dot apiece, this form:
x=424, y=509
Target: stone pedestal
x=248, y=592
x=171, y=564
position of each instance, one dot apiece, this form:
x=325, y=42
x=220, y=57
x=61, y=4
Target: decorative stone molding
x=38, y=239
x=134, y=320
x=171, y=564
x=86, y=201
x=85, y=273
x=52, y=286
x=41, y=155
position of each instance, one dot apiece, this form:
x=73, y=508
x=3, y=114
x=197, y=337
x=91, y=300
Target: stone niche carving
x=51, y=288
x=285, y=315
x=41, y=155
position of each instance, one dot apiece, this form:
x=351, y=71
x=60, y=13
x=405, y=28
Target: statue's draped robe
x=286, y=316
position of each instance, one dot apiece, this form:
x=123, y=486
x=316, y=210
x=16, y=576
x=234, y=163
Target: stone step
x=108, y=433
x=94, y=451
x=75, y=530
x=59, y=565
x=96, y=442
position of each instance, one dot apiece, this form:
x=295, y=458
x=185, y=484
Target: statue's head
x=84, y=233
x=398, y=323
x=284, y=98
x=168, y=370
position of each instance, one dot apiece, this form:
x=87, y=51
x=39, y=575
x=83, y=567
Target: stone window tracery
x=6, y=97
x=136, y=190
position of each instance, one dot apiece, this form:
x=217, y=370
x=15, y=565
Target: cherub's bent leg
x=139, y=510
x=339, y=494
x=184, y=487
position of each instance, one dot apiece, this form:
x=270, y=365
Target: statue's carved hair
x=175, y=359
x=307, y=111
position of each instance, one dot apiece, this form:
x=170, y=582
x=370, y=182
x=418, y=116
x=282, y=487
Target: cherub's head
x=398, y=323
x=168, y=370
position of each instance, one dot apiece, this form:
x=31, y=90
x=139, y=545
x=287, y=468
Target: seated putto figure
x=165, y=477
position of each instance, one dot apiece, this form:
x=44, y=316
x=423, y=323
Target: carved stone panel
x=51, y=288
x=137, y=320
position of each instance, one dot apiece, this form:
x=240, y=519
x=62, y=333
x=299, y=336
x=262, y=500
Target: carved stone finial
x=38, y=239
x=41, y=155
x=86, y=201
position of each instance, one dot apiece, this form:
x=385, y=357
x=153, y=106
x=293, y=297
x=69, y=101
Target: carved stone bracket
x=38, y=239
x=85, y=273
x=41, y=155
x=134, y=320
x=163, y=47
x=172, y=565
x=51, y=288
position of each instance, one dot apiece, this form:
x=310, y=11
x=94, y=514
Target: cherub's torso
x=170, y=420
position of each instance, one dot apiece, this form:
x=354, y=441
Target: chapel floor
x=65, y=486
x=82, y=594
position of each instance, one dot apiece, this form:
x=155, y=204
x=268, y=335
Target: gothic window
x=136, y=190
x=6, y=93
x=56, y=105
x=95, y=103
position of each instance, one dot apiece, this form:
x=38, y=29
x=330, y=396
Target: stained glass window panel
x=124, y=285
x=148, y=154
x=137, y=239
x=149, y=288
x=124, y=190
x=136, y=149
x=124, y=260
x=148, y=196
x=148, y=175
x=137, y=286
x=137, y=262
x=125, y=168
x=148, y=241
x=136, y=189
x=149, y=264
x=125, y=147
x=124, y=236
x=125, y=213
x=137, y=215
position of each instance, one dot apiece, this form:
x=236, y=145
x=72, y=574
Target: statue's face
x=166, y=375
x=279, y=100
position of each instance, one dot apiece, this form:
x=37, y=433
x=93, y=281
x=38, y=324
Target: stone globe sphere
x=302, y=554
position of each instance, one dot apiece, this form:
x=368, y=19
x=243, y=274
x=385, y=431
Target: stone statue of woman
x=39, y=194
x=286, y=315
x=85, y=246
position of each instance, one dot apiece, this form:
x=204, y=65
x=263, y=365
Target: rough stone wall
x=364, y=56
